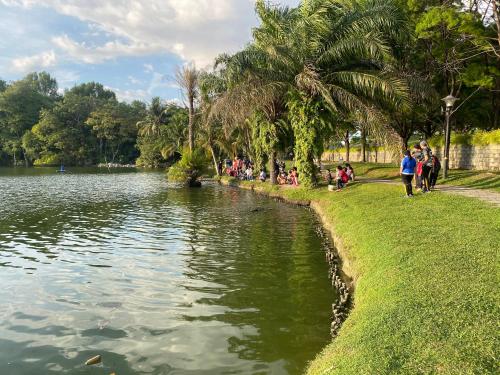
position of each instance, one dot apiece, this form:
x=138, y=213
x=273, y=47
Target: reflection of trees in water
x=270, y=273
x=44, y=230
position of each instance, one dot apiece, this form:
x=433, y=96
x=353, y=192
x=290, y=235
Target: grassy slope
x=473, y=179
x=426, y=298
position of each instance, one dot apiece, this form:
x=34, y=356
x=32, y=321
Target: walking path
x=489, y=196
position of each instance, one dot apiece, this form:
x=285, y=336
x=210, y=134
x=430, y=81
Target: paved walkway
x=489, y=196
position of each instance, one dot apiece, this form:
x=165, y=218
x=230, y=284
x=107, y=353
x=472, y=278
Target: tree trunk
x=26, y=162
x=274, y=172
x=191, y=123
x=347, y=147
x=215, y=160
x=363, y=144
x=496, y=16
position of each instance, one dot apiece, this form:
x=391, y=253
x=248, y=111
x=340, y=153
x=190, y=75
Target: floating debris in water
x=94, y=360
x=103, y=324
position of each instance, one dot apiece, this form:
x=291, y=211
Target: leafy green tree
x=62, y=131
x=162, y=133
x=114, y=125
x=20, y=106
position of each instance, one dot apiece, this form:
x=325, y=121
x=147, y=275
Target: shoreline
x=340, y=269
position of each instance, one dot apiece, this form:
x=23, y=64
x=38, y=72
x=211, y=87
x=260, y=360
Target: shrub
x=190, y=168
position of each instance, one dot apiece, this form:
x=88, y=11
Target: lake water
x=156, y=279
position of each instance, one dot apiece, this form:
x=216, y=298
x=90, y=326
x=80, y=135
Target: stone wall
x=461, y=157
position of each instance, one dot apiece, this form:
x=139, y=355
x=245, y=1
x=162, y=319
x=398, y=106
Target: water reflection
x=157, y=280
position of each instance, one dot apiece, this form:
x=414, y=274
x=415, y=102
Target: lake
x=154, y=278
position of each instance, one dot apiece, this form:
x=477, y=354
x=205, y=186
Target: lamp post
x=449, y=103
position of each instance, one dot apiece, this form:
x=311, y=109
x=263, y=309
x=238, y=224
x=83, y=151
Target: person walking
x=436, y=167
x=426, y=166
x=407, y=171
x=417, y=155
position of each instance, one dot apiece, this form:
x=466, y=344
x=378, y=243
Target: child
x=329, y=177
x=350, y=172
x=342, y=178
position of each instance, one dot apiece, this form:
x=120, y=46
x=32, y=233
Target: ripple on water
x=155, y=279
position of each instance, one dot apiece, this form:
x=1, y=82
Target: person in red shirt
x=342, y=178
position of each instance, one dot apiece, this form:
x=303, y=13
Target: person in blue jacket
x=407, y=171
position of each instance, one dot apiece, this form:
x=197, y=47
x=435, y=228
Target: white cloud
x=134, y=80
x=129, y=95
x=96, y=55
x=195, y=30
x=31, y=63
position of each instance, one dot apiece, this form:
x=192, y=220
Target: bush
x=479, y=138
x=189, y=169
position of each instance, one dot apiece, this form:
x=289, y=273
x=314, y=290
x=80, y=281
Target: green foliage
x=264, y=139
x=190, y=168
x=478, y=138
x=48, y=160
x=476, y=74
x=162, y=133
x=308, y=119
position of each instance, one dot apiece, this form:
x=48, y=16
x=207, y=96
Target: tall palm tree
x=187, y=79
x=333, y=52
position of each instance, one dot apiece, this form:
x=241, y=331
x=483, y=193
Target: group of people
x=241, y=168
x=422, y=164
x=343, y=175
x=284, y=177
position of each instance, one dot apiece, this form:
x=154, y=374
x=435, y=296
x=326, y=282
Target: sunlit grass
x=426, y=299
x=473, y=179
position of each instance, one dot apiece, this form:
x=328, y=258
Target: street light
x=449, y=102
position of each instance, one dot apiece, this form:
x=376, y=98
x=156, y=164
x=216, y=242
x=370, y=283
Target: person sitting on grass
x=282, y=178
x=249, y=173
x=263, y=175
x=329, y=177
x=350, y=172
x=294, y=177
x=407, y=171
x=342, y=178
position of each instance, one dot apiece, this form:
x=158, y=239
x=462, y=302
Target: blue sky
x=131, y=46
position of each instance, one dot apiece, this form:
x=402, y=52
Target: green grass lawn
x=473, y=179
x=427, y=275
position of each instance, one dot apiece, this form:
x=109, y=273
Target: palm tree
x=187, y=79
x=324, y=55
x=155, y=118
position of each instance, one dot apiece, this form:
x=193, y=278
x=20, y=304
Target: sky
x=130, y=46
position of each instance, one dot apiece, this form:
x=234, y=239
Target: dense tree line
x=326, y=72
x=85, y=125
